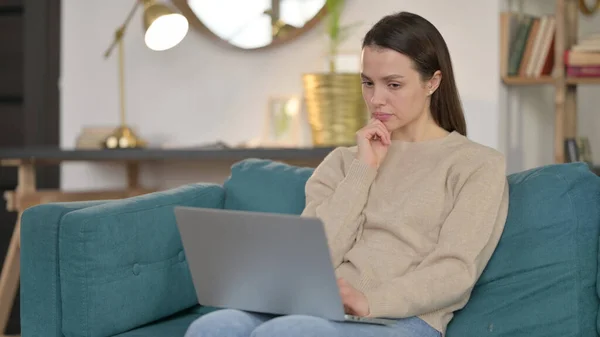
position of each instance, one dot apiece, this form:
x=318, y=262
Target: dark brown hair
x=418, y=39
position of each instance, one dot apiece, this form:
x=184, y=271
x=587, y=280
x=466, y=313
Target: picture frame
x=282, y=122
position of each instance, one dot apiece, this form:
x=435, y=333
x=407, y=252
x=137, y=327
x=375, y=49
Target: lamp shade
x=164, y=28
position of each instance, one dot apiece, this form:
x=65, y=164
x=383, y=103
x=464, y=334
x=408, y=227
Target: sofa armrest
x=121, y=264
x=40, y=285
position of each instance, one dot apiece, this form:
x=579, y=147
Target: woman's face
x=393, y=90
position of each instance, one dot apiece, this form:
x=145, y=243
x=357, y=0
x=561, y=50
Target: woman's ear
x=434, y=82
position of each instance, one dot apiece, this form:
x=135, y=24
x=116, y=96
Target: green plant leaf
x=335, y=31
x=334, y=10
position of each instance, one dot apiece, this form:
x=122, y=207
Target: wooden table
x=27, y=195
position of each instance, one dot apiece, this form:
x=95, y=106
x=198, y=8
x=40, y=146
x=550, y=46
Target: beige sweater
x=414, y=235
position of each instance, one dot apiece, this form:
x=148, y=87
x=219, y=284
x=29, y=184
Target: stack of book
x=527, y=44
x=583, y=59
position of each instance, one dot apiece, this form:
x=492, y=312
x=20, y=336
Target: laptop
x=262, y=262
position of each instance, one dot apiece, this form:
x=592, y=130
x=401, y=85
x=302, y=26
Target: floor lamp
x=164, y=29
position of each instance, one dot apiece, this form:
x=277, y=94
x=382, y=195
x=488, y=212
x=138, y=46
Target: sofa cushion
x=541, y=280
x=172, y=326
x=122, y=264
x=266, y=186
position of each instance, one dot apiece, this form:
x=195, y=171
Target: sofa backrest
x=541, y=280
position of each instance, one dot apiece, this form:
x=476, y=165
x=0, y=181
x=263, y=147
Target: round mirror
x=253, y=24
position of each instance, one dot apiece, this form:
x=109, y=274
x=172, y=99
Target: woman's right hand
x=373, y=141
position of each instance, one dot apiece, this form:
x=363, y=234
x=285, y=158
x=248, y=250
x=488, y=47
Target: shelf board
x=583, y=80
x=12, y=156
x=516, y=80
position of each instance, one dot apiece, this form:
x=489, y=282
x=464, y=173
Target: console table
x=27, y=195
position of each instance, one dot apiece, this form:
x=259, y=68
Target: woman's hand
x=373, y=141
x=355, y=302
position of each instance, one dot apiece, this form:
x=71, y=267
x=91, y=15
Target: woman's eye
x=367, y=83
x=394, y=85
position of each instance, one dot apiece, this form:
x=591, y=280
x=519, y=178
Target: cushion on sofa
x=266, y=186
x=175, y=325
x=541, y=279
x=123, y=265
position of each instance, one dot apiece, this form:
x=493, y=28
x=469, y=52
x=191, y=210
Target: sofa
x=117, y=267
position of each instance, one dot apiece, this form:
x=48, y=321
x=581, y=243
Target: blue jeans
x=236, y=323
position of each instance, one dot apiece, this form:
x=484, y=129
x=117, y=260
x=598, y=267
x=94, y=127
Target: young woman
x=412, y=213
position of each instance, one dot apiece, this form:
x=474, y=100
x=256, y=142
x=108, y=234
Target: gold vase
x=335, y=107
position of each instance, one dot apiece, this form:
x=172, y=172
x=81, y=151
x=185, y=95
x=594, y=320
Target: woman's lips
x=382, y=116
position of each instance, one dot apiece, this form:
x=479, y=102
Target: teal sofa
x=117, y=268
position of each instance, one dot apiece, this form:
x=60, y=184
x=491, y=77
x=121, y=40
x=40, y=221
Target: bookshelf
x=543, y=61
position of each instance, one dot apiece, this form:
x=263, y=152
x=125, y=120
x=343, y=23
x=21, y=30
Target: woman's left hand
x=355, y=302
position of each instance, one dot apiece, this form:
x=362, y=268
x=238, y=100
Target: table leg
x=9, y=279
x=133, y=175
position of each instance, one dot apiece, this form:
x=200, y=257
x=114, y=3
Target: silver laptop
x=262, y=262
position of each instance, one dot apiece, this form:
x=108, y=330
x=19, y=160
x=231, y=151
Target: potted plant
x=333, y=99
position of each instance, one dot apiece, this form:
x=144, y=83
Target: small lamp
x=164, y=29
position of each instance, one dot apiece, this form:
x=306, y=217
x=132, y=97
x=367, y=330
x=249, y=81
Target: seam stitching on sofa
x=58, y=265
x=58, y=287
x=85, y=279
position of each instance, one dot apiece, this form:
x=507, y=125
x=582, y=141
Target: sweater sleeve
x=467, y=239
x=337, y=195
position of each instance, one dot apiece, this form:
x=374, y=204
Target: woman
x=412, y=213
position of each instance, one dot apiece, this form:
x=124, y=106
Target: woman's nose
x=377, y=97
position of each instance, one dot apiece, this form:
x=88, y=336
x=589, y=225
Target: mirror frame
x=195, y=22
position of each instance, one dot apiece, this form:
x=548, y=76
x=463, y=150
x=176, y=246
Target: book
x=583, y=55
x=583, y=71
x=579, y=58
x=527, y=44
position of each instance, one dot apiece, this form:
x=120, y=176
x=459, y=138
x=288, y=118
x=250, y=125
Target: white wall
x=201, y=92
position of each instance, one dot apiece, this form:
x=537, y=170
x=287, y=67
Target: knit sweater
x=414, y=235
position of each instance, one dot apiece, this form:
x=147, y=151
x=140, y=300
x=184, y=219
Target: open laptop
x=262, y=262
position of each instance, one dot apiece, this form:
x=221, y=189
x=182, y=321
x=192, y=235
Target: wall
x=201, y=92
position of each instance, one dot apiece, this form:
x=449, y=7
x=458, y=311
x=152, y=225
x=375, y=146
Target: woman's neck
x=419, y=130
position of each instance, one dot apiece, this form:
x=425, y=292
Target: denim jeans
x=236, y=323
